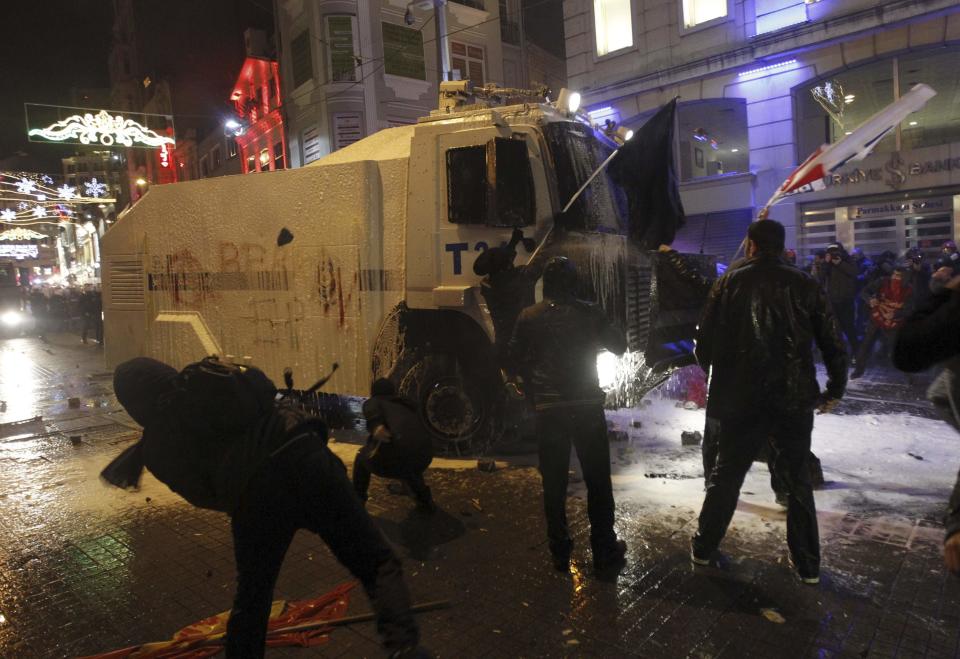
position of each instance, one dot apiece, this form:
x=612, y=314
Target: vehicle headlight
x=11, y=318
x=607, y=369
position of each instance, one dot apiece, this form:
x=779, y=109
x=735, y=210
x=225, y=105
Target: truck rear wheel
x=453, y=405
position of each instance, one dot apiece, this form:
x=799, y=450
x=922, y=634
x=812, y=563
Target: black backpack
x=222, y=398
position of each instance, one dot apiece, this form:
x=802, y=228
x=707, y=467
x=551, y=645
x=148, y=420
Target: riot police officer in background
x=554, y=349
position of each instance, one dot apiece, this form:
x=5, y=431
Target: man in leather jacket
x=554, y=348
x=756, y=341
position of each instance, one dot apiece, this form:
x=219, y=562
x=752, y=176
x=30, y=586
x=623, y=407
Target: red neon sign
x=164, y=156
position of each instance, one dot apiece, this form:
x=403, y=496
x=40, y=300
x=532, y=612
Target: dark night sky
x=46, y=49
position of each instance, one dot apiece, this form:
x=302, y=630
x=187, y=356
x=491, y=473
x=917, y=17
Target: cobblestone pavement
x=87, y=569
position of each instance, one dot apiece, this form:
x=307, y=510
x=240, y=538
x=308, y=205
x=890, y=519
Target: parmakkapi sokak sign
x=59, y=124
x=894, y=173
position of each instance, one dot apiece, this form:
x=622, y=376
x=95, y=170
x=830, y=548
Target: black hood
x=139, y=385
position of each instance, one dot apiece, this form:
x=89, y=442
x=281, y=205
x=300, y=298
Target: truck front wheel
x=453, y=405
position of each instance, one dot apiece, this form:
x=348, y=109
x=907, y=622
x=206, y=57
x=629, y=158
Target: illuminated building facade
x=762, y=84
x=256, y=100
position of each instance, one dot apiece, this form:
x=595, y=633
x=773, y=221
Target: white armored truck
x=365, y=257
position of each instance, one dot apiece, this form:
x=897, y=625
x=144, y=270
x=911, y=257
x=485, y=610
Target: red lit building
x=256, y=99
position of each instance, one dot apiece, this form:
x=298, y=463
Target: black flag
x=645, y=169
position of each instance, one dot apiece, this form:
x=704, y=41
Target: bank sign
x=902, y=170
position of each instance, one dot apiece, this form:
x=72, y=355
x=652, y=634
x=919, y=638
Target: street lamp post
x=443, y=45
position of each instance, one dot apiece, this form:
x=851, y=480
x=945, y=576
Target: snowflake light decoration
x=26, y=186
x=95, y=188
x=39, y=211
x=66, y=192
x=23, y=205
x=8, y=215
x=46, y=179
x=41, y=197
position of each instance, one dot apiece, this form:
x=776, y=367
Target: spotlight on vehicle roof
x=624, y=133
x=568, y=101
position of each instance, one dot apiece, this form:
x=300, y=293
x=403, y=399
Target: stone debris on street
x=88, y=569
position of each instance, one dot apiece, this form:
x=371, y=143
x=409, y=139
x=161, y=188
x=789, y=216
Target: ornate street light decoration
x=101, y=128
x=830, y=97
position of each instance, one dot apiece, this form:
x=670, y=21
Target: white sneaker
x=696, y=560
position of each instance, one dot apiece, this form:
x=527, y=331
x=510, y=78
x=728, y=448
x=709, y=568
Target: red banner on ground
x=205, y=637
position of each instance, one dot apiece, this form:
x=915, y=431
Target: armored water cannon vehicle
x=365, y=257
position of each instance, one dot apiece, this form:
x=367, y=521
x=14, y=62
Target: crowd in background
x=871, y=297
x=67, y=309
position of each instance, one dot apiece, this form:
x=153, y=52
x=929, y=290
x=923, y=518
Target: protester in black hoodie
x=274, y=478
x=398, y=446
x=932, y=336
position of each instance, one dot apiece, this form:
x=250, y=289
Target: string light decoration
x=101, y=128
x=19, y=233
x=30, y=197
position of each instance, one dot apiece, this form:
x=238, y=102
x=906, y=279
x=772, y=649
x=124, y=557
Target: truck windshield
x=576, y=154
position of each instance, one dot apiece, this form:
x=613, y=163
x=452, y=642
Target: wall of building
x=728, y=60
x=323, y=114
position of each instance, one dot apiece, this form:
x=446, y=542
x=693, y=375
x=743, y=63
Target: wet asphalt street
x=86, y=569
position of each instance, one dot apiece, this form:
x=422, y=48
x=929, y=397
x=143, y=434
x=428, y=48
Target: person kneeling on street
x=215, y=434
x=398, y=446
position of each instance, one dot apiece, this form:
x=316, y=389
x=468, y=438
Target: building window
x=833, y=106
x=696, y=12
x=264, y=163
x=301, y=59
x=713, y=138
x=468, y=60
x=937, y=122
x=613, y=25
x=278, y=155
x=403, y=51
x=312, y=145
x=341, y=48
x=251, y=163
x=216, y=158
x=231, y=147
x=204, y=167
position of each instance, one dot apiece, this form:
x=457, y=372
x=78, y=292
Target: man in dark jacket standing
x=274, y=478
x=756, y=341
x=841, y=278
x=554, y=348
x=932, y=336
x=398, y=446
